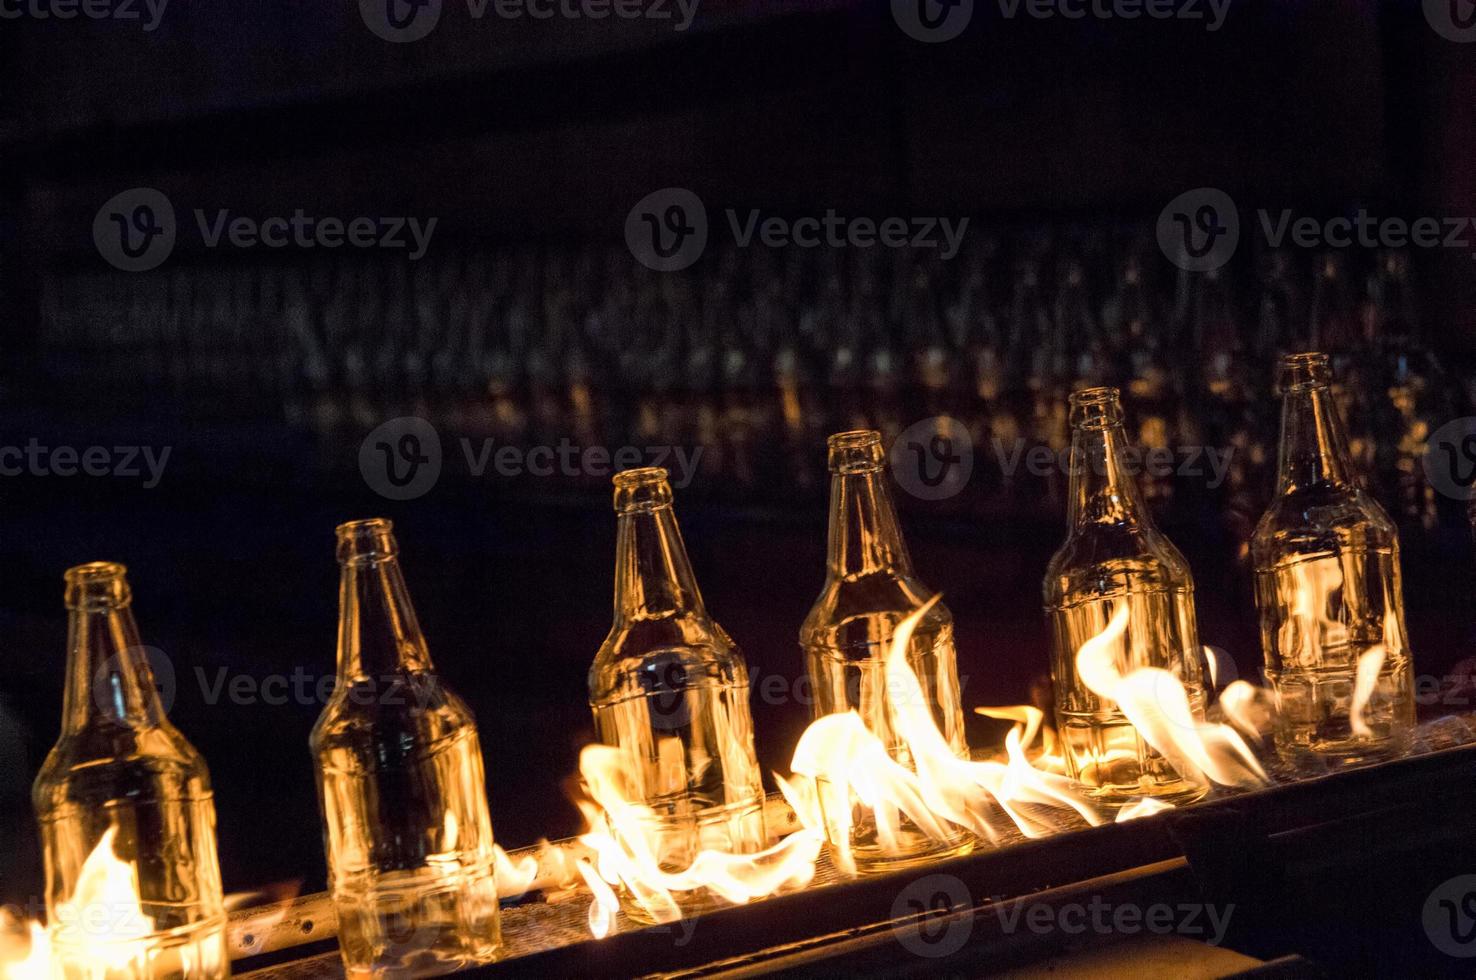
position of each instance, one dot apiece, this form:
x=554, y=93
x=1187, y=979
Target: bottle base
x=1180, y=793
x=418, y=923
x=871, y=859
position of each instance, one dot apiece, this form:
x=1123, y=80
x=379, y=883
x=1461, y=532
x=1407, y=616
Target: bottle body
x=1329, y=592
x=670, y=689
x=400, y=777
x=1114, y=556
x=126, y=813
x=869, y=589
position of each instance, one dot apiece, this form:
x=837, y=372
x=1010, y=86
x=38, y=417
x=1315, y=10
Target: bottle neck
x=1313, y=449
x=653, y=578
x=864, y=536
x=108, y=673
x=1103, y=490
x=377, y=630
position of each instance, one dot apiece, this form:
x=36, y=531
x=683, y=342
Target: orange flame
x=1157, y=705
x=627, y=853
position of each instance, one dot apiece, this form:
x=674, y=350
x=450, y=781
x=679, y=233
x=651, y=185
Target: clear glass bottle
x=869, y=589
x=125, y=808
x=1114, y=554
x=1328, y=588
x=399, y=766
x=670, y=690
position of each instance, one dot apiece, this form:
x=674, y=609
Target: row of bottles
x=406, y=826
x=763, y=352
x=1326, y=557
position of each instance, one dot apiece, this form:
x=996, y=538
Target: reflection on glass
x=399, y=765
x=126, y=813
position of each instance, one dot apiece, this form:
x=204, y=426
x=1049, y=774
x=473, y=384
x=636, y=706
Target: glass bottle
x=125, y=809
x=1328, y=587
x=869, y=589
x=400, y=782
x=670, y=690
x=1114, y=554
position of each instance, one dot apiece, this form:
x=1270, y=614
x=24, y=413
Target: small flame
x=627, y=852
x=1157, y=705
x=513, y=878
x=101, y=929
x=33, y=961
x=1249, y=708
x=1370, y=662
x=1146, y=807
x=845, y=762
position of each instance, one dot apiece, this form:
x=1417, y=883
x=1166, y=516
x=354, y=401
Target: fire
x=101, y=929
x=1157, y=705
x=842, y=761
x=627, y=852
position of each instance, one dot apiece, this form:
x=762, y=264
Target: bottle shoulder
x=415, y=705
x=1320, y=519
x=688, y=647
x=866, y=608
x=113, y=762
x=1102, y=558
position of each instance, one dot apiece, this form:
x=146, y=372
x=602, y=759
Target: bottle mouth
x=1095, y=408
x=857, y=451
x=370, y=539
x=97, y=585
x=645, y=488
x=1305, y=370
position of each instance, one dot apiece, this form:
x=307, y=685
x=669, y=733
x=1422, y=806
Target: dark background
x=530, y=142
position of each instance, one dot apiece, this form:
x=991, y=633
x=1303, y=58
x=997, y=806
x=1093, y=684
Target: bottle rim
x=645, y=488
x=366, y=539
x=96, y=584
x=1099, y=395
x=856, y=451
x=1303, y=370
x=641, y=476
